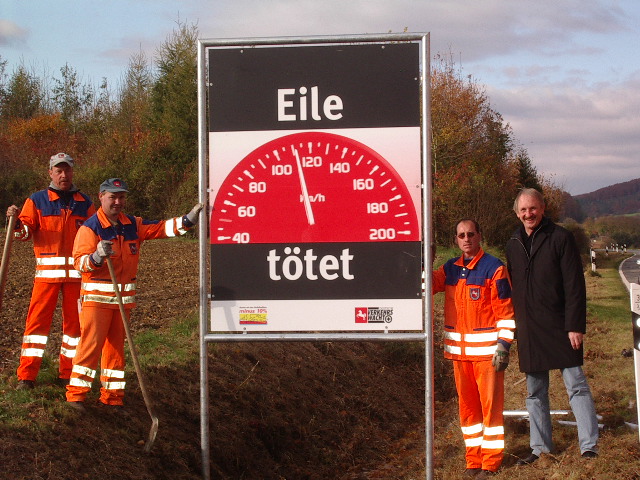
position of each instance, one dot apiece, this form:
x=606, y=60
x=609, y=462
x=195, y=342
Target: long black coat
x=549, y=297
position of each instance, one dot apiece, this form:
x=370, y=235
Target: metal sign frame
x=634, y=298
x=206, y=337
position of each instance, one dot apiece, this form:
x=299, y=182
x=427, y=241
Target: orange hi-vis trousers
x=102, y=342
x=481, y=401
x=44, y=299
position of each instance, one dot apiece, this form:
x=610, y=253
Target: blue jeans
x=581, y=402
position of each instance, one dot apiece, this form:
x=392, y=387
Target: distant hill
x=619, y=199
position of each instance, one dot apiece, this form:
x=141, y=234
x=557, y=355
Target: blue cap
x=113, y=185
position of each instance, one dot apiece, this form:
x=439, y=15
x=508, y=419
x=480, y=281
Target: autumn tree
x=72, y=97
x=474, y=172
x=22, y=97
x=174, y=123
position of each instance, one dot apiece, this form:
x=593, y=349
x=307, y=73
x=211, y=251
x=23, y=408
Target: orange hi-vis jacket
x=53, y=227
x=478, y=309
x=127, y=237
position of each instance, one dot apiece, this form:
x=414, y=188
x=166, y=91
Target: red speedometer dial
x=313, y=187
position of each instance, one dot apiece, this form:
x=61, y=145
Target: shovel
x=4, y=267
x=134, y=356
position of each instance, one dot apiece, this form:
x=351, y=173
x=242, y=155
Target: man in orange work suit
x=110, y=233
x=51, y=217
x=479, y=325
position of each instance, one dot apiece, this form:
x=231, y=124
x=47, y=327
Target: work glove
x=192, y=216
x=103, y=251
x=500, y=359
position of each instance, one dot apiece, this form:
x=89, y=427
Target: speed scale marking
x=313, y=187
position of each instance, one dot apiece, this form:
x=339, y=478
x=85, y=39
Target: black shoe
x=589, y=454
x=77, y=406
x=527, y=461
x=62, y=382
x=116, y=410
x=26, y=385
x=472, y=472
x=485, y=474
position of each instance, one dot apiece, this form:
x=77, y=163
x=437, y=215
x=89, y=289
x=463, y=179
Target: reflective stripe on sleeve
x=506, y=324
x=180, y=227
x=506, y=334
x=174, y=225
x=168, y=228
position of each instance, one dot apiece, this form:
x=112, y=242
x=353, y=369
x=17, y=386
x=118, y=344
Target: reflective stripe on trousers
x=44, y=299
x=102, y=342
x=481, y=400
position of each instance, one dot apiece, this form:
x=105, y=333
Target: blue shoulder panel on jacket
x=484, y=270
x=452, y=272
x=47, y=208
x=128, y=232
x=81, y=208
x=504, y=288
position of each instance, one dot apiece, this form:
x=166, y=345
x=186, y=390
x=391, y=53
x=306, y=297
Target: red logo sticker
x=362, y=315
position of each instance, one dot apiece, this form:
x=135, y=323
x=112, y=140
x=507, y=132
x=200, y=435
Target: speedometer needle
x=305, y=193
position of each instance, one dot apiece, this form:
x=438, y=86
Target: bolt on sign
x=315, y=176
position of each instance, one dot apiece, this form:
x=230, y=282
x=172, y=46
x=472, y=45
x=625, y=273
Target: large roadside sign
x=315, y=187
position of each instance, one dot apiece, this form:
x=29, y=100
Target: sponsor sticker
x=253, y=315
x=374, y=315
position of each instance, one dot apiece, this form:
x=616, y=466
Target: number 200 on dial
x=313, y=187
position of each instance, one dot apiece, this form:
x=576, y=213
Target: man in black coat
x=549, y=297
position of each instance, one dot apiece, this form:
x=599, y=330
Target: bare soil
x=277, y=410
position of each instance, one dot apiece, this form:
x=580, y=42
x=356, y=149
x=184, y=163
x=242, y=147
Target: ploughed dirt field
x=277, y=410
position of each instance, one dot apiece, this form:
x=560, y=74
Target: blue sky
x=564, y=74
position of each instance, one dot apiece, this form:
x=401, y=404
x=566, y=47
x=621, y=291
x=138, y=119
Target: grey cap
x=113, y=185
x=59, y=158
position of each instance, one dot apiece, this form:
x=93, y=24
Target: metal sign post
x=634, y=290
x=315, y=166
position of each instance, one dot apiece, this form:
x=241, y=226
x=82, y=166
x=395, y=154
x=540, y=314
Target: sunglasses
x=467, y=234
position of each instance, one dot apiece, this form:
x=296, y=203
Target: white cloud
x=564, y=73
x=587, y=137
x=12, y=34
